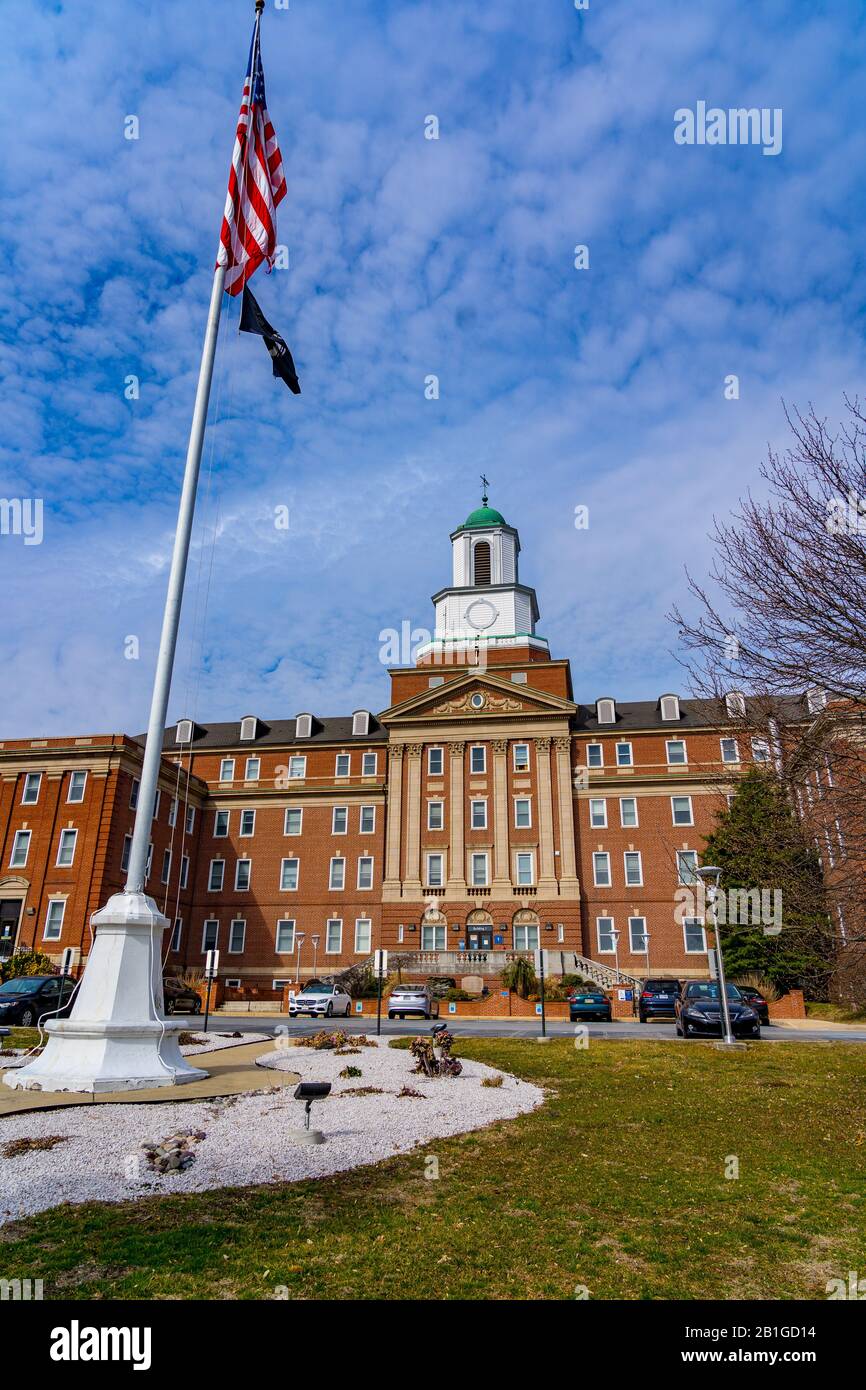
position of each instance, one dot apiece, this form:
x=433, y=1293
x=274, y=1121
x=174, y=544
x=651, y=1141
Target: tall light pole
x=615, y=934
x=300, y=938
x=316, y=939
x=710, y=875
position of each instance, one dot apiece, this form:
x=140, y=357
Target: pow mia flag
x=254, y=321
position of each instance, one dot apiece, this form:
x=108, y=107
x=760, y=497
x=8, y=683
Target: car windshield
x=711, y=991
x=316, y=989
x=20, y=986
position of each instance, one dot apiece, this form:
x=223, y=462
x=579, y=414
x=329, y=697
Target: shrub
x=26, y=963
x=520, y=977
x=492, y=1081
x=759, y=981
x=349, y=1073
x=454, y=996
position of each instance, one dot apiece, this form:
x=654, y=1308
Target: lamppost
x=614, y=935
x=300, y=938
x=710, y=875
x=316, y=939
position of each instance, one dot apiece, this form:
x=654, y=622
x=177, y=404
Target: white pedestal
x=115, y=1039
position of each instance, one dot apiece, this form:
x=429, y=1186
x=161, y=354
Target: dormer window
x=249, y=727
x=360, y=723
x=183, y=733
x=735, y=704
x=481, y=565
x=670, y=707
x=303, y=726
x=605, y=711
x=816, y=699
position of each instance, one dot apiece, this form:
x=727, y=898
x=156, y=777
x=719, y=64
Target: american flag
x=256, y=183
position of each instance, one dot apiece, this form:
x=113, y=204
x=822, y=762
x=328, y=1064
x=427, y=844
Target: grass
x=617, y=1183
x=835, y=1013
x=21, y=1037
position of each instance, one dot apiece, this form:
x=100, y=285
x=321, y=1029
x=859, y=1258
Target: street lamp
x=710, y=875
x=316, y=939
x=615, y=934
x=300, y=937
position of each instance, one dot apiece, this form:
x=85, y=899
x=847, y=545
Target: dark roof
x=694, y=714
x=272, y=733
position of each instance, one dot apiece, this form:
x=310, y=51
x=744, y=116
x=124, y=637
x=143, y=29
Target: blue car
x=589, y=1005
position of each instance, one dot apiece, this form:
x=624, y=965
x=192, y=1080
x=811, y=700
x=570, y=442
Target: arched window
x=481, y=557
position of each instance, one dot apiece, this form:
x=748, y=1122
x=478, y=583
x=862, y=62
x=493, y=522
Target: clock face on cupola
x=485, y=602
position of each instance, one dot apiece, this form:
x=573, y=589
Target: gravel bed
x=246, y=1137
x=213, y=1042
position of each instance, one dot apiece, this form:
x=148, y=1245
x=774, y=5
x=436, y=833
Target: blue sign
x=452, y=1008
x=538, y=1008
x=462, y=945
x=359, y=1007
x=497, y=940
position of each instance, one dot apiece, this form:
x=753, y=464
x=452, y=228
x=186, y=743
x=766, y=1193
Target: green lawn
x=835, y=1013
x=617, y=1183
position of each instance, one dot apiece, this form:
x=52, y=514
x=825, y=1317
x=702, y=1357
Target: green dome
x=483, y=516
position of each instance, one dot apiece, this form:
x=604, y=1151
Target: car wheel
x=169, y=1007
x=28, y=1018
x=348, y=1011
x=390, y=1018
x=196, y=1008
x=329, y=1011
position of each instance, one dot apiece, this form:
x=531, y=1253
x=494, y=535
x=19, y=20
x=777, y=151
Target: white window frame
x=629, y=759
x=303, y=726
x=691, y=819
x=157, y=801
x=518, y=801
x=372, y=828
x=366, y=859
x=290, y=887
x=691, y=877
x=694, y=950
x=53, y=930
x=441, y=806
x=434, y=936
x=669, y=708
x=184, y=870
x=133, y=794
x=227, y=763
x=529, y=855
x=285, y=950
x=605, y=711
x=632, y=854
x=218, y=821
x=295, y=760
x=345, y=812
x=332, y=873
x=190, y=819
x=597, y=855
x=482, y=770
x=517, y=764
x=362, y=949
x=589, y=761
x=629, y=825
x=245, y=859
x=676, y=762
x=360, y=723
x=526, y=936
x=602, y=932
x=595, y=801
x=211, y=886
x=20, y=835
x=183, y=732
x=76, y=800
x=237, y=950
x=172, y=813
x=474, y=856
x=126, y=850
x=165, y=872
x=247, y=834
x=249, y=728
x=366, y=758
x=640, y=950
x=343, y=758
x=431, y=772
x=210, y=922
x=176, y=935
x=60, y=863
x=736, y=758
x=29, y=778
x=478, y=804
x=762, y=744
x=253, y=768
x=329, y=949
x=429, y=882
x=292, y=810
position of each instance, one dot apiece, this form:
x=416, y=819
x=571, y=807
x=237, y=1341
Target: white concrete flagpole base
x=115, y=1038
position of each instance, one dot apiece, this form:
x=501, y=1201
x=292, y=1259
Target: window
x=401, y=934
x=133, y=794
x=637, y=935
x=594, y=755
x=693, y=932
x=525, y=869
x=730, y=751
x=816, y=699
x=433, y=936
x=183, y=732
x=237, y=936
x=32, y=783
x=628, y=812
x=526, y=936
x=598, y=812
x=435, y=815
x=340, y=820
x=523, y=812
x=210, y=935
x=633, y=871
x=248, y=823
x=124, y=854
x=481, y=563
x=54, y=920
x=303, y=726
x=687, y=865
x=369, y=763
x=519, y=677
x=670, y=707
x=478, y=758
x=478, y=813
x=337, y=875
x=66, y=848
x=676, y=751
x=177, y=933
x=521, y=757
x=681, y=810
x=172, y=813
x=217, y=873
x=20, y=849
x=249, y=725
x=166, y=866
x=77, y=783
x=361, y=723
x=623, y=755
x=479, y=871
x=342, y=765
x=252, y=769
x=435, y=762
x=604, y=930
x=363, y=936
x=298, y=765
x=605, y=711
x=334, y=936
x=735, y=704
x=285, y=942
x=367, y=822
x=220, y=824
x=293, y=821
x=227, y=770
x=184, y=870
x=149, y=862
x=289, y=871
x=190, y=819
x=601, y=870
x=156, y=802
x=243, y=874
x=365, y=871
x=760, y=750
x=233, y=982
x=434, y=870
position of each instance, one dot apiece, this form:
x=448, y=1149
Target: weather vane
x=484, y=486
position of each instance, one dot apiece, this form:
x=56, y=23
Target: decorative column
x=501, y=886
x=391, y=882
x=412, y=881
x=456, y=885
x=569, y=886
x=547, y=886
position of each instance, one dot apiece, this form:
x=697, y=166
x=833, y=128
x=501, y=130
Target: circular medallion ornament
x=477, y=701
x=481, y=614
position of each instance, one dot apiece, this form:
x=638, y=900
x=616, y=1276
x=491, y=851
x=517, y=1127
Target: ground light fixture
x=308, y=1091
x=711, y=874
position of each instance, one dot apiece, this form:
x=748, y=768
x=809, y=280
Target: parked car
x=589, y=1005
x=28, y=998
x=320, y=1000
x=699, y=1011
x=179, y=998
x=657, y=999
x=756, y=1000
x=412, y=999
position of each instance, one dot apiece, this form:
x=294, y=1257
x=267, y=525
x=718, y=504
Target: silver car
x=412, y=999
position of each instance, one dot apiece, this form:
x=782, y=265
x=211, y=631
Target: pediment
x=477, y=696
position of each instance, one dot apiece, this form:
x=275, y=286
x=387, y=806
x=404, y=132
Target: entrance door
x=480, y=938
x=10, y=911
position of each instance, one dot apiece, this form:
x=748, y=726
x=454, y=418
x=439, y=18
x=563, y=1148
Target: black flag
x=254, y=321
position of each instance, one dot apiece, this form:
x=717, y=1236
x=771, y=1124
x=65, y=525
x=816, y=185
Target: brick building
x=484, y=811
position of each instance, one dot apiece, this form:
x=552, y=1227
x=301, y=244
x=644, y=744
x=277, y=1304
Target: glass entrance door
x=10, y=911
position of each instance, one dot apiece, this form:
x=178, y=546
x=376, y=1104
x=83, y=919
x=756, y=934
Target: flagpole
x=174, y=598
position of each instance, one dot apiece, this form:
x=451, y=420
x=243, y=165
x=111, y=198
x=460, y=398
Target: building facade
x=484, y=812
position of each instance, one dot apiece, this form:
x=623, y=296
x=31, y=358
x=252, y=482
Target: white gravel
x=213, y=1042
x=246, y=1138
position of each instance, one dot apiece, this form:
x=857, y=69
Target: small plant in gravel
x=410, y=1093
x=323, y=1041
x=187, y=1039
x=349, y=1073
x=492, y=1081
x=26, y=1146
x=363, y=1091
x=346, y=1051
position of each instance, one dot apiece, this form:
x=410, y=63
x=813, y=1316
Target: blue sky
x=408, y=257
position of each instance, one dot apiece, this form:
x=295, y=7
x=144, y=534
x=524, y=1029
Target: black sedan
x=699, y=1012
x=755, y=999
x=588, y=1006
x=28, y=998
x=179, y=998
